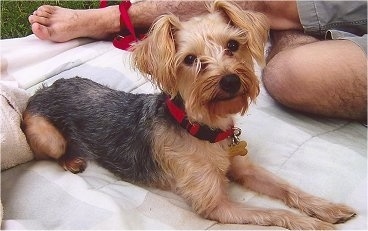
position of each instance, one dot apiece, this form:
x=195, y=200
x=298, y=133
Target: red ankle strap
x=123, y=42
x=124, y=17
x=103, y=3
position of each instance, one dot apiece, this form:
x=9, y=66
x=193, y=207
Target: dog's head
x=207, y=60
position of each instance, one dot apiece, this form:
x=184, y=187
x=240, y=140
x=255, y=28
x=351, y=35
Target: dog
x=183, y=139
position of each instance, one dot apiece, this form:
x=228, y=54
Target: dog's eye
x=233, y=45
x=190, y=59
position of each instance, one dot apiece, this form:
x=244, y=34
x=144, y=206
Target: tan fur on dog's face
x=191, y=58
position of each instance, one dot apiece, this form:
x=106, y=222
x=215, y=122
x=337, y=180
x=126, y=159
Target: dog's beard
x=208, y=104
x=233, y=105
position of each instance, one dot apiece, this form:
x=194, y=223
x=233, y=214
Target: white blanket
x=325, y=157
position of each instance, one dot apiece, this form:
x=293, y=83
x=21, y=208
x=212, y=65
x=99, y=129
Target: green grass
x=14, y=14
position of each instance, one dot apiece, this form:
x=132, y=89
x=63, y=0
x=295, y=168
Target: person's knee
x=319, y=81
x=286, y=79
x=278, y=77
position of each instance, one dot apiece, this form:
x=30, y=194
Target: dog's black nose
x=230, y=83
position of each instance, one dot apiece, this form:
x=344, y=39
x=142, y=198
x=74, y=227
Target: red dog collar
x=202, y=132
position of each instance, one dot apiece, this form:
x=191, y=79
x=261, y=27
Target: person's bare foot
x=59, y=24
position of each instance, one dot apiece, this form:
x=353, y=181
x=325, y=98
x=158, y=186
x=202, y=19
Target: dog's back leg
x=45, y=139
x=258, y=179
x=47, y=142
x=72, y=163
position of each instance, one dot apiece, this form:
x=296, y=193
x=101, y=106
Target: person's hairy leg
x=61, y=24
x=282, y=15
x=327, y=78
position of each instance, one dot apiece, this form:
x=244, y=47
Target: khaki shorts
x=335, y=20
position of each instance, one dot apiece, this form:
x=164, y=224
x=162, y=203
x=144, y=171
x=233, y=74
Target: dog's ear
x=154, y=56
x=255, y=24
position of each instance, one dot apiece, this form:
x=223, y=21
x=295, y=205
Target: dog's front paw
x=322, y=209
x=334, y=213
x=337, y=213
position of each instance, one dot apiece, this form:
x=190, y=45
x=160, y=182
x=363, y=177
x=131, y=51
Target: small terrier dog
x=182, y=139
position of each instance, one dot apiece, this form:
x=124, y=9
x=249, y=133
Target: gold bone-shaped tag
x=238, y=149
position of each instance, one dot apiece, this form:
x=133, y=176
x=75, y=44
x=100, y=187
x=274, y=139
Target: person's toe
x=46, y=9
x=37, y=19
x=31, y=18
x=41, y=31
x=41, y=13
